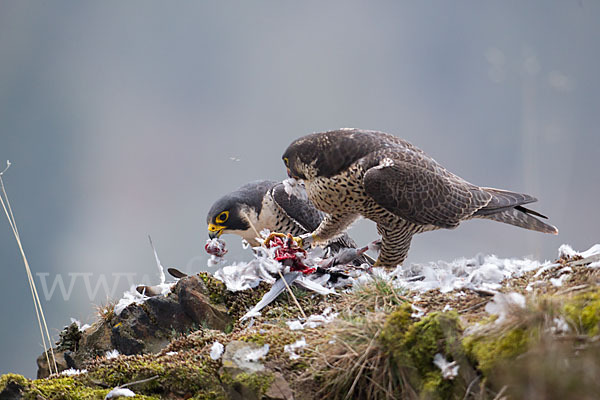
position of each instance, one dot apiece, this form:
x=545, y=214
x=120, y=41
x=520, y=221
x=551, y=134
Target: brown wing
x=422, y=192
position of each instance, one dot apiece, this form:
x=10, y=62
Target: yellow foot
x=283, y=236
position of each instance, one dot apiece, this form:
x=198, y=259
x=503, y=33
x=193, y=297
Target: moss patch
x=583, y=311
x=381, y=355
x=248, y=386
x=58, y=388
x=492, y=350
x=188, y=373
x=14, y=378
x=413, y=344
x=63, y=388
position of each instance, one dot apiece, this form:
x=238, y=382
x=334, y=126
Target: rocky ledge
x=530, y=339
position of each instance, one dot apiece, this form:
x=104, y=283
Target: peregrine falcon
x=263, y=205
x=350, y=173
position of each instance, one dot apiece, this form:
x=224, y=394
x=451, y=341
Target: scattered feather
x=216, y=350
x=257, y=354
x=119, y=392
x=558, y=282
x=81, y=328
x=479, y=272
x=418, y=312
x=294, y=325
x=292, y=348
x=560, y=325
x=449, y=369
x=112, y=354
x=73, y=372
x=503, y=303
x=313, y=321
x=566, y=251
x=310, y=283
x=272, y=294
x=161, y=270
x=533, y=284
x=132, y=296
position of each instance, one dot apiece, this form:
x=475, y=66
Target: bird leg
x=394, y=246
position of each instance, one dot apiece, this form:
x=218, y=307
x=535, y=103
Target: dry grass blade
x=354, y=364
x=362, y=366
x=292, y=294
x=46, y=339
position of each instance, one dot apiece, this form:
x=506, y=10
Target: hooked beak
x=214, y=231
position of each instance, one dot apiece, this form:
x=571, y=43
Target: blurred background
x=128, y=119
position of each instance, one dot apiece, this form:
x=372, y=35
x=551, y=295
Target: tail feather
x=530, y=211
x=504, y=200
x=507, y=207
x=523, y=219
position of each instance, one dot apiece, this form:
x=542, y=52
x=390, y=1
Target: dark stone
x=68, y=355
x=141, y=328
x=169, y=314
x=12, y=391
x=42, y=362
x=149, y=327
x=95, y=342
x=195, y=301
x=125, y=342
x=239, y=391
x=279, y=389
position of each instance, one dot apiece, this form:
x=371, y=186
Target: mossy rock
x=13, y=386
x=247, y=386
x=494, y=349
x=583, y=312
x=186, y=375
x=55, y=388
x=398, y=352
x=412, y=346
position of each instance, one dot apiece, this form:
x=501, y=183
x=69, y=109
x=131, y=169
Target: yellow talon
x=283, y=236
x=273, y=235
x=298, y=241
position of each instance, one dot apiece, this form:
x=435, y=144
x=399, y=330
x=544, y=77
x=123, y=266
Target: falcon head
x=294, y=167
x=225, y=215
x=329, y=153
x=301, y=157
x=229, y=214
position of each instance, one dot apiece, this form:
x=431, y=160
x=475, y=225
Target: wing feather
x=422, y=192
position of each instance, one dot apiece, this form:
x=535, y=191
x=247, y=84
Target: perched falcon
x=263, y=205
x=350, y=173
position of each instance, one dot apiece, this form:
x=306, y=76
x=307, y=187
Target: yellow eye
x=222, y=217
x=286, y=161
